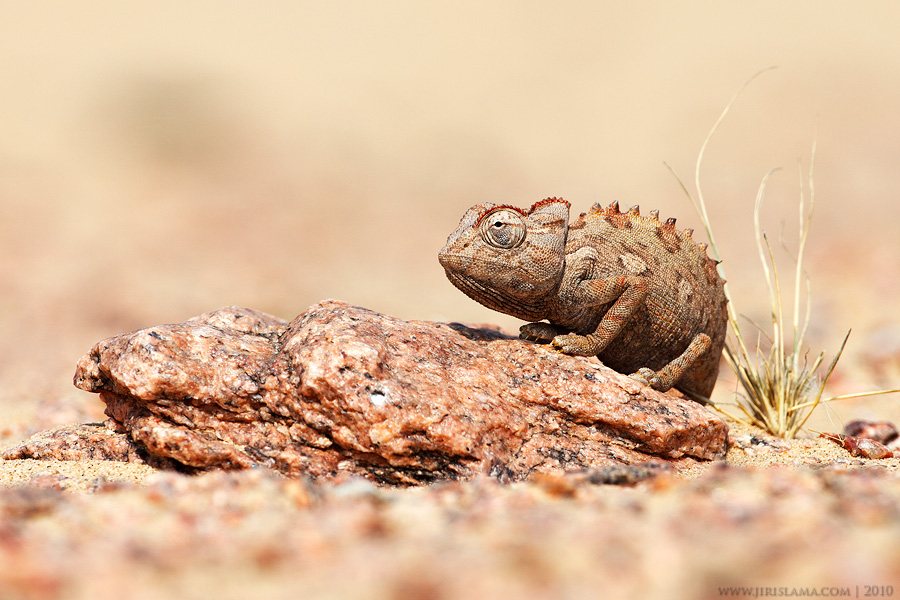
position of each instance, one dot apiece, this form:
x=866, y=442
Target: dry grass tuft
x=781, y=389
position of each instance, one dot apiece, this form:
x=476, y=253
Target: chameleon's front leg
x=629, y=293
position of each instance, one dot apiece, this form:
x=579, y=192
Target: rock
x=344, y=390
x=860, y=447
x=88, y=441
x=883, y=432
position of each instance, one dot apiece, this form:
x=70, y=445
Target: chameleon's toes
x=537, y=332
x=572, y=343
x=647, y=377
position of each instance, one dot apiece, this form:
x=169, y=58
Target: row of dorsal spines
x=614, y=214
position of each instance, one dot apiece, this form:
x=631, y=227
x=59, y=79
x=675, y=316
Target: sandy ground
x=158, y=162
x=776, y=519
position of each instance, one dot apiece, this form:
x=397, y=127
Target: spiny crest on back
x=673, y=240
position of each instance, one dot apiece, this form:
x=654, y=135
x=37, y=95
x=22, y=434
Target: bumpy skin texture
x=642, y=296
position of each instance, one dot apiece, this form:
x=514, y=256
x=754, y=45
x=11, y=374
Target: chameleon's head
x=509, y=259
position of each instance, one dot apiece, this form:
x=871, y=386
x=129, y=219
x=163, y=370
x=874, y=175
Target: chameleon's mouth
x=495, y=299
x=476, y=291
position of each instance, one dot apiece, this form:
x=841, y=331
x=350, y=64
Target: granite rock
x=861, y=447
x=344, y=390
x=87, y=441
x=867, y=439
x=883, y=432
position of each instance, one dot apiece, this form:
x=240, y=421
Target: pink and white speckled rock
x=342, y=389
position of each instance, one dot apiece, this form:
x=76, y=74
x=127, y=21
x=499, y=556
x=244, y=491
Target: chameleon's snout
x=446, y=258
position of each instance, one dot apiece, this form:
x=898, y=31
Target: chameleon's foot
x=541, y=333
x=574, y=344
x=648, y=377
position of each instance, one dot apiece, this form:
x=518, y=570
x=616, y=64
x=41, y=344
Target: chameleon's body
x=642, y=296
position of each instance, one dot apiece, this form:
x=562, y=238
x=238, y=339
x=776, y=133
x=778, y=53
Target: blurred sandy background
x=159, y=160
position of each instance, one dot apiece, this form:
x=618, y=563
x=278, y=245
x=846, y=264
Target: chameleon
x=644, y=298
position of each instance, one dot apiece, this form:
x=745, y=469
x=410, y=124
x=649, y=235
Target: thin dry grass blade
x=818, y=398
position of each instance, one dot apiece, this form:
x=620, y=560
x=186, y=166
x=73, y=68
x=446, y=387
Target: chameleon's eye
x=502, y=228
